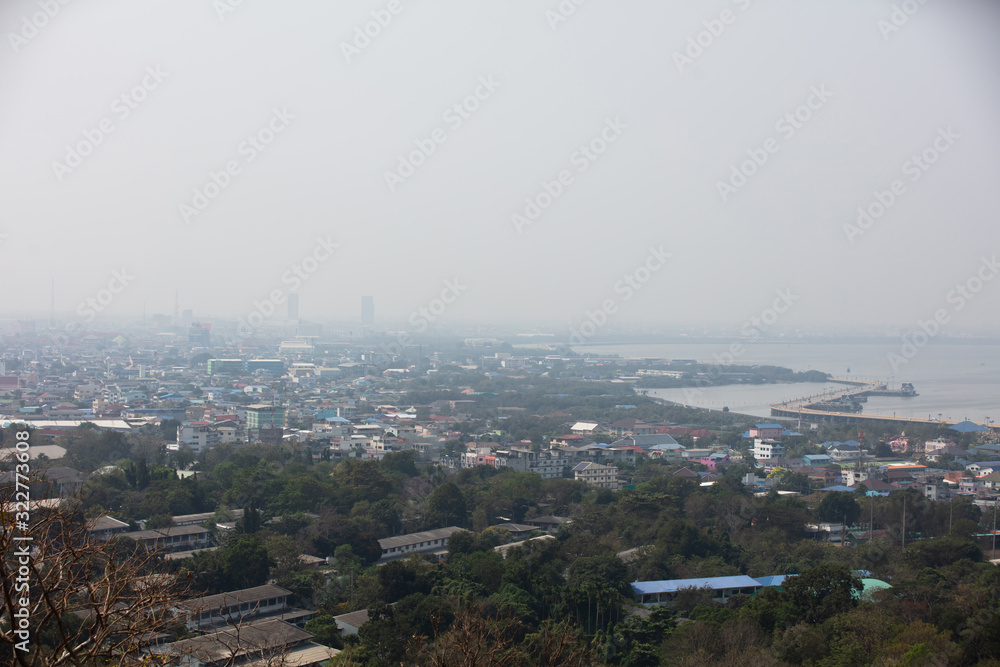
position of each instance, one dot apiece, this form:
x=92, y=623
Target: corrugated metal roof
x=674, y=585
x=417, y=538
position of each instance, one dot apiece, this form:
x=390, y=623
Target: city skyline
x=739, y=149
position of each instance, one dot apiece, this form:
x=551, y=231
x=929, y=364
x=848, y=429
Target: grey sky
x=553, y=90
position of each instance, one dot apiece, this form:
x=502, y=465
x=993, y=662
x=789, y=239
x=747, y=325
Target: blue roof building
x=773, y=580
x=723, y=588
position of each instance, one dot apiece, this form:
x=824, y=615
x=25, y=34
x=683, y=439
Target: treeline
x=940, y=610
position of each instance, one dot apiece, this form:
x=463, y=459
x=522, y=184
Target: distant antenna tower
x=177, y=307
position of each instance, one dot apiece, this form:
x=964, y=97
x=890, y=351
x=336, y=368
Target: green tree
x=245, y=562
x=326, y=631
x=251, y=521
x=446, y=506
x=822, y=592
x=839, y=506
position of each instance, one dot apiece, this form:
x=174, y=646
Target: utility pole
x=994, y=530
x=904, y=519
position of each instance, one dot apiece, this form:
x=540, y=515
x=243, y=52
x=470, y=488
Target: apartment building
x=198, y=436
x=596, y=474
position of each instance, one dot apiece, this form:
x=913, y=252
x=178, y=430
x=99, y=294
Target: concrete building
x=229, y=366
x=766, y=431
x=764, y=449
x=212, y=611
x=427, y=541
x=198, y=436
x=596, y=474
x=265, y=416
x=275, y=366
x=270, y=641
x=174, y=538
x=551, y=464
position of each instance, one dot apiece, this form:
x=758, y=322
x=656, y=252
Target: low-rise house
x=349, y=624
x=822, y=476
x=968, y=485
x=845, y=452
x=585, y=428
x=983, y=467
x=715, y=460
x=478, y=456
x=991, y=481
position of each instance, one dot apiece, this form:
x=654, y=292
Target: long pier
x=802, y=407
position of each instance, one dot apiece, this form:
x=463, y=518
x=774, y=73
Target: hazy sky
x=184, y=84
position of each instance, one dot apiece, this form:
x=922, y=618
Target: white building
x=423, y=542
x=199, y=436
x=596, y=474
x=764, y=449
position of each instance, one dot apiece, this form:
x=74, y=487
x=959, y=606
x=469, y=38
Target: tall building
x=293, y=307
x=367, y=311
x=198, y=334
x=199, y=436
x=235, y=366
x=265, y=416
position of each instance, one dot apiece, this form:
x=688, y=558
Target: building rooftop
x=674, y=585
x=230, y=598
x=416, y=538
